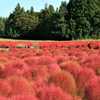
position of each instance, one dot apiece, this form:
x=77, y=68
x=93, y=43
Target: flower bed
x=51, y=71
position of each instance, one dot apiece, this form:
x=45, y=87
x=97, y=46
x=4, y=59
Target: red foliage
x=93, y=58
x=60, y=59
x=52, y=93
x=82, y=76
x=12, y=58
x=47, y=53
x=2, y=67
x=92, y=89
x=55, y=53
x=3, y=60
x=31, y=60
x=53, y=67
x=93, y=65
x=39, y=53
x=27, y=74
x=19, y=64
x=45, y=60
x=5, y=88
x=3, y=98
x=19, y=85
x=64, y=80
x=24, y=97
x=77, y=98
x=69, y=66
x=25, y=55
x=38, y=84
x=10, y=71
x=38, y=71
x=74, y=58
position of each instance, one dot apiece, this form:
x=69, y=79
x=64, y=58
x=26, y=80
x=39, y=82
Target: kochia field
x=50, y=70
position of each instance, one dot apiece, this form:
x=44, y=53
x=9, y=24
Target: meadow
x=49, y=70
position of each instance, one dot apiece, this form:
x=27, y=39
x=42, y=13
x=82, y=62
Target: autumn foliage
x=53, y=71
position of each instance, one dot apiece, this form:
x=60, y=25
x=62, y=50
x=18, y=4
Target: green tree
x=82, y=12
x=72, y=28
x=22, y=23
x=46, y=18
x=96, y=26
x=2, y=25
x=61, y=25
x=32, y=11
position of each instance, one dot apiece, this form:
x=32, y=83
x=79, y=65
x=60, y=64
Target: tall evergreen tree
x=61, y=22
x=2, y=25
x=96, y=26
x=32, y=11
x=82, y=12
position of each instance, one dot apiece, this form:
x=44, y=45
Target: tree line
x=79, y=19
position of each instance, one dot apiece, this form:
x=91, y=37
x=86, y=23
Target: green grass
x=5, y=39
x=4, y=48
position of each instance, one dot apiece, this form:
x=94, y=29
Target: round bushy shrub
x=45, y=60
x=31, y=61
x=92, y=89
x=38, y=83
x=3, y=60
x=60, y=59
x=82, y=76
x=38, y=71
x=5, y=88
x=93, y=65
x=9, y=71
x=52, y=93
x=52, y=67
x=39, y=53
x=69, y=66
x=19, y=64
x=19, y=85
x=64, y=80
x=3, y=98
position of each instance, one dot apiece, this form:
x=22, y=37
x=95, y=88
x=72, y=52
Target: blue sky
x=7, y=6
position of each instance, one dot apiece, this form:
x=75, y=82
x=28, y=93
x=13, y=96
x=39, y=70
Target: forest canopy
x=79, y=19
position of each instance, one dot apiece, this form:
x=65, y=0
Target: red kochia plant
x=69, y=66
x=19, y=64
x=60, y=59
x=65, y=81
x=56, y=53
x=25, y=55
x=53, y=67
x=3, y=60
x=93, y=65
x=3, y=98
x=82, y=76
x=19, y=85
x=52, y=93
x=93, y=58
x=77, y=98
x=24, y=97
x=31, y=61
x=9, y=71
x=5, y=88
x=2, y=67
x=39, y=53
x=38, y=84
x=74, y=58
x=92, y=89
x=45, y=60
x=38, y=71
